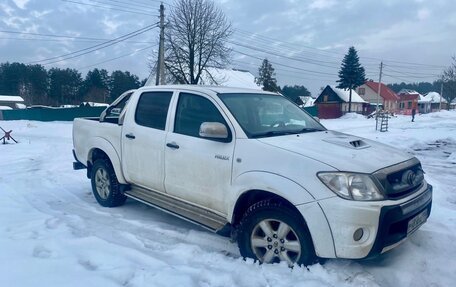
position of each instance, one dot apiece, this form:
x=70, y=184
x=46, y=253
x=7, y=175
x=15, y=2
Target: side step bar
x=186, y=211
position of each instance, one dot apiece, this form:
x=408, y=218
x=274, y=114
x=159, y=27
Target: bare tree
x=449, y=81
x=195, y=39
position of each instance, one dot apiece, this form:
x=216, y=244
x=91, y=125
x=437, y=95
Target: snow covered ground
x=53, y=233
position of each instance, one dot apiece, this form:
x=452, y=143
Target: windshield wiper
x=281, y=133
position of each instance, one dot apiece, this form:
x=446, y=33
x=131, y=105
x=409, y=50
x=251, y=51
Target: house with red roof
x=408, y=100
x=388, y=99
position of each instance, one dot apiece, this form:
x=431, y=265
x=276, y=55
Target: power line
x=397, y=78
x=300, y=59
x=133, y=3
x=60, y=37
x=94, y=48
x=109, y=8
x=47, y=35
x=116, y=58
x=73, y=40
x=130, y=7
x=283, y=65
x=412, y=73
x=429, y=66
x=284, y=71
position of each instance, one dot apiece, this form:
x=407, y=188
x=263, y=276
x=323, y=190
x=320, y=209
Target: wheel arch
x=253, y=196
x=101, y=148
x=290, y=193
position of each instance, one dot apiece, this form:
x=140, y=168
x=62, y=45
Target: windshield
x=263, y=115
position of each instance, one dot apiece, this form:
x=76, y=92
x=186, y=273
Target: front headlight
x=354, y=186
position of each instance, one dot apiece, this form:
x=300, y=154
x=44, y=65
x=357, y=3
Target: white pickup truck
x=254, y=166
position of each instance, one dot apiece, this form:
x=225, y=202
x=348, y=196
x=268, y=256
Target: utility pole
x=160, y=73
x=378, y=95
x=441, y=96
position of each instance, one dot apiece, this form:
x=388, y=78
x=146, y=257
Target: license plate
x=417, y=221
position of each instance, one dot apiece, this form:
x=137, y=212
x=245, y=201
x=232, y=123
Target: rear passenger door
x=143, y=140
x=198, y=170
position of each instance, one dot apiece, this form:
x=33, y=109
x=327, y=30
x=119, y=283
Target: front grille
x=401, y=180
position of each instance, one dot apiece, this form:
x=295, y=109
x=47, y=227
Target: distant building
x=435, y=99
x=307, y=101
x=333, y=103
x=221, y=77
x=387, y=99
x=424, y=105
x=11, y=102
x=408, y=100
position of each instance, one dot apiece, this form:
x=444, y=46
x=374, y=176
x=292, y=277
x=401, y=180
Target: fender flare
x=274, y=183
x=105, y=146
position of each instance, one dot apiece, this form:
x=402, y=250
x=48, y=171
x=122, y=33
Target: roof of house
x=345, y=94
x=407, y=92
x=223, y=77
x=434, y=97
x=4, y=108
x=5, y=98
x=385, y=92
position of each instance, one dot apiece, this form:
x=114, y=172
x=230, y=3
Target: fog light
x=358, y=234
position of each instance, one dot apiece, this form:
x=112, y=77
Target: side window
x=192, y=111
x=152, y=109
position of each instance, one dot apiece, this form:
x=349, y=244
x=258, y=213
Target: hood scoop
x=348, y=142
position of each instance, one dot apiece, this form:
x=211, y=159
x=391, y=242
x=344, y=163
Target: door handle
x=172, y=145
x=130, y=136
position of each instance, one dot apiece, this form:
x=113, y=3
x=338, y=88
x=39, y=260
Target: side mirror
x=213, y=130
x=317, y=119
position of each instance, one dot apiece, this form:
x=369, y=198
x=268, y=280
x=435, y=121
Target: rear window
x=152, y=109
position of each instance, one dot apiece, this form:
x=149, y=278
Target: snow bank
x=352, y=116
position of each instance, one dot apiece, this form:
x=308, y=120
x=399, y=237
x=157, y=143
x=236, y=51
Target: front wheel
x=105, y=186
x=272, y=232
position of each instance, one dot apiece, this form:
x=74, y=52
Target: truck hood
x=341, y=151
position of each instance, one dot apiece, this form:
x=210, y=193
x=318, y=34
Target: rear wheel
x=272, y=232
x=105, y=186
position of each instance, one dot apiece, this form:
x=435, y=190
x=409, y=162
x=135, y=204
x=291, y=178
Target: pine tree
x=266, y=77
x=351, y=73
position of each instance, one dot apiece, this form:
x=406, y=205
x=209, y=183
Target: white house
x=223, y=77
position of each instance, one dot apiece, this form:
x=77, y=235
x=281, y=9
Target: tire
x=105, y=186
x=271, y=232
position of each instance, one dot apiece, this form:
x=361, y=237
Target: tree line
x=56, y=86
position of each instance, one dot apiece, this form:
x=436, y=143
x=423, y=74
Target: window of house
x=401, y=105
x=362, y=91
x=192, y=111
x=409, y=105
x=152, y=109
x=325, y=98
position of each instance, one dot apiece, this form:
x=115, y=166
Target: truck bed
x=88, y=130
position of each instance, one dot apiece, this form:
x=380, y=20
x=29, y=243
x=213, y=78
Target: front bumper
x=393, y=222
x=384, y=223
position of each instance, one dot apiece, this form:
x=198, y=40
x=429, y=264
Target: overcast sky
x=414, y=38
